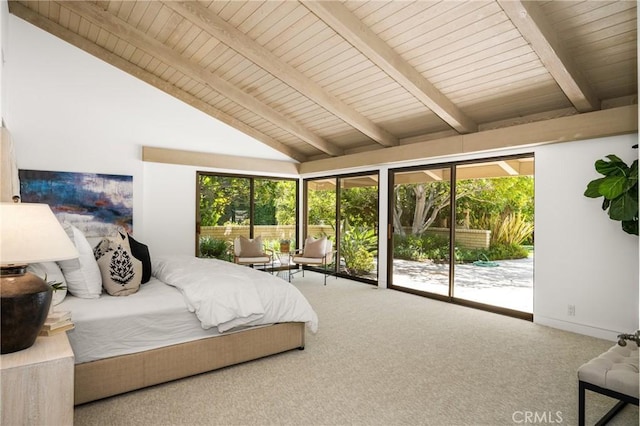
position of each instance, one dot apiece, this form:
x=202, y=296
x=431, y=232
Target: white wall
x=69, y=111
x=582, y=257
x=169, y=226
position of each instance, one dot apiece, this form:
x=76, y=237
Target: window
x=231, y=205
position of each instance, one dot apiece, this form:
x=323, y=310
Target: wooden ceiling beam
x=137, y=38
x=217, y=161
x=99, y=52
x=432, y=174
x=338, y=17
x=507, y=168
x=536, y=29
x=217, y=27
x=591, y=125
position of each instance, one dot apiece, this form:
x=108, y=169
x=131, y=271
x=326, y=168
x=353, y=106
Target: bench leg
x=623, y=400
x=611, y=414
x=581, y=392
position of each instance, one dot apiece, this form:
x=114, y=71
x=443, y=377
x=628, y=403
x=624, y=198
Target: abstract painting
x=97, y=204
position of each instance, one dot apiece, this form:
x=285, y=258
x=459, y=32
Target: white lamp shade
x=30, y=233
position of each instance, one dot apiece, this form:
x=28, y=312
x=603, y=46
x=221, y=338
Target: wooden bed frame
x=112, y=376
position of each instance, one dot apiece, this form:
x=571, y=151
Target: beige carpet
x=383, y=357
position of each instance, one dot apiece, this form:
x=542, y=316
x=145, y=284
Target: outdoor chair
x=251, y=252
x=316, y=252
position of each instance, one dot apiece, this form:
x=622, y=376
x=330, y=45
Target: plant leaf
x=593, y=188
x=633, y=171
x=614, y=167
x=630, y=226
x=613, y=186
x=605, y=204
x=624, y=207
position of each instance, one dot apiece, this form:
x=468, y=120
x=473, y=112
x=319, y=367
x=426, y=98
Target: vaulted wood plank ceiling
x=316, y=80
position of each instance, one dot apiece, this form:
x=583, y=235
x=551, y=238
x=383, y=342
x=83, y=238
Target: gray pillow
x=251, y=248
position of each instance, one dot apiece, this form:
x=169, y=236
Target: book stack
x=56, y=322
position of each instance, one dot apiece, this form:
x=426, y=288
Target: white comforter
x=225, y=295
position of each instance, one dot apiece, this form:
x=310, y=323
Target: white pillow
x=315, y=248
x=50, y=272
x=82, y=274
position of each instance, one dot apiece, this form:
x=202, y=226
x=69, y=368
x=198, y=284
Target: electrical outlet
x=571, y=310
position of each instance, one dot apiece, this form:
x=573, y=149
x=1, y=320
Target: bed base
x=112, y=376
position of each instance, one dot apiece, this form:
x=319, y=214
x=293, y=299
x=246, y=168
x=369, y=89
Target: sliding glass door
x=421, y=238
x=494, y=233
x=345, y=209
x=463, y=232
x=359, y=226
x=321, y=202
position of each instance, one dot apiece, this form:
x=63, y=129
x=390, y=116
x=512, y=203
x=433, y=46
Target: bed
x=193, y=316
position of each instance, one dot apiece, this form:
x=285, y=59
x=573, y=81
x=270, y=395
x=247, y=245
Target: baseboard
x=599, y=333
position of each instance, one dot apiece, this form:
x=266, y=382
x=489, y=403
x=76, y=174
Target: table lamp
x=29, y=233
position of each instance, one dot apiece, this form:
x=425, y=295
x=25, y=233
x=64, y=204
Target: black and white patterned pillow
x=121, y=271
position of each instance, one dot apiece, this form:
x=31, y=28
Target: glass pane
x=321, y=209
x=359, y=226
x=421, y=230
x=275, y=213
x=224, y=213
x=494, y=233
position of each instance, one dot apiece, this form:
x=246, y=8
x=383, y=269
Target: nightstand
x=37, y=383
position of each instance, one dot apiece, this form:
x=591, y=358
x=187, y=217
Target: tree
x=285, y=202
x=221, y=198
x=500, y=197
x=321, y=207
x=226, y=199
x=428, y=201
x=266, y=192
x=360, y=205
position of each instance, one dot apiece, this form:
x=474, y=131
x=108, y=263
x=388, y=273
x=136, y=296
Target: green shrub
x=421, y=247
x=214, y=248
x=467, y=255
x=359, y=263
x=507, y=251
x=436, y=248
x=358, y=246
x=406, y=247
x=512, y=230
x=494, y=252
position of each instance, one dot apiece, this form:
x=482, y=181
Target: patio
x=509, y=285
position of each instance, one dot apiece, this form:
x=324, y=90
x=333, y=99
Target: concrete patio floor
x=509, y=285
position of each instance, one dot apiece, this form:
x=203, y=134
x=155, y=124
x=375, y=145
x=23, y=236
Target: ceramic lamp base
x=25, y=300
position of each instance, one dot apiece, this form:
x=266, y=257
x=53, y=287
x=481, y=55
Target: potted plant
x=284, y=246
x=619, y=187
x=59, y=291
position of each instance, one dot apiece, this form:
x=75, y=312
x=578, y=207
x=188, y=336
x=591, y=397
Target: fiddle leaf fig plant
x=619, y=187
